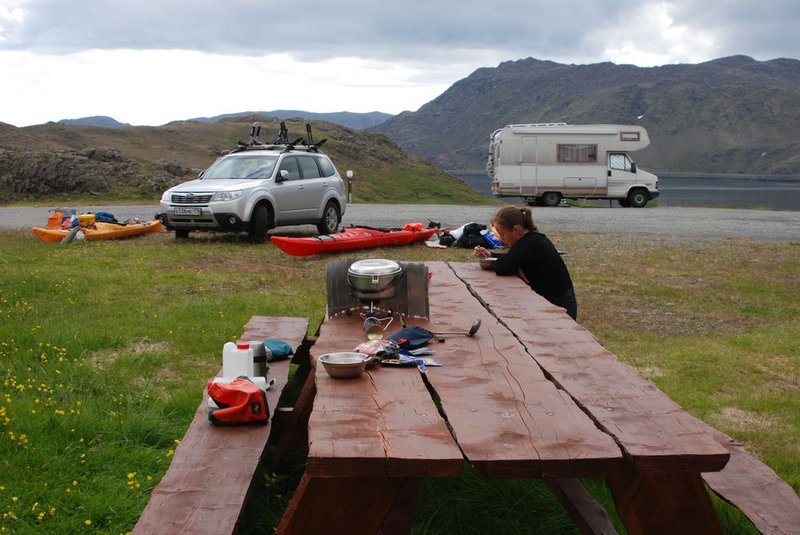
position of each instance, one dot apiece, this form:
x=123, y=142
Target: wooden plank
x=206, y=485
x=384, y=423
x=590, y=517
x=656, y=434
x=510, y=421
x=756, y=490
x=351, y=506
x=292, y=445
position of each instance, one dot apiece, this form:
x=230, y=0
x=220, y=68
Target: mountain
x=730, y=115
x=97, y=120
x=142, y=161
x=359, y=121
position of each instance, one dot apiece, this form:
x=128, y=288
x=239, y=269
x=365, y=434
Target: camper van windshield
x=619, y=162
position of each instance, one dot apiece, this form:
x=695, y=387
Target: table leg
x=675, y=502
x=350, y=506
x=590, y=517
x=293, y=433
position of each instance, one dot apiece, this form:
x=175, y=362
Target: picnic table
x=531, y=395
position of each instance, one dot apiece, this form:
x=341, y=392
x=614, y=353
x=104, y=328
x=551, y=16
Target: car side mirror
x=283, y=175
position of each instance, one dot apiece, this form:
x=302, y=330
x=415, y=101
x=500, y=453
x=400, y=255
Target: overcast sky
x=148, y=62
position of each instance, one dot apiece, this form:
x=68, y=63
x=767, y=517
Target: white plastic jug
x=237, y=359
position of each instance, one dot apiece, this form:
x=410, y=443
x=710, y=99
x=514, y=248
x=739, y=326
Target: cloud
x=415, y=30
x=152, y=61
x=158, y=86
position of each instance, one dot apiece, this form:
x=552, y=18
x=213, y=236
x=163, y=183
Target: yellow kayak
x=101, y=231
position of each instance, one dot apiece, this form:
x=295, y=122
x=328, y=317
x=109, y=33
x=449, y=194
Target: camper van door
x=528, y=165
x=621, y=174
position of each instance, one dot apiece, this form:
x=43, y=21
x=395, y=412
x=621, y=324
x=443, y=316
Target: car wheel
x=637, y=198
x=258, y=224
x=551, y=198
x=330, y=219
x=624, y=203
x=181, y=234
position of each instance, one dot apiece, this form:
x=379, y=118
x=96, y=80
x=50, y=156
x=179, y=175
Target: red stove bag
x=239, y=402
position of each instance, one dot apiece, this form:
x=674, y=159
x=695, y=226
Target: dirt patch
x=651, y=372
x=741, y=421
x=104, y=359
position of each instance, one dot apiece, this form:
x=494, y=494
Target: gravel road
x=663, y=222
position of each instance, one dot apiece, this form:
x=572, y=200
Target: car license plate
x=181, y=210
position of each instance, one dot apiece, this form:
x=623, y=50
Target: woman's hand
x=480, y=252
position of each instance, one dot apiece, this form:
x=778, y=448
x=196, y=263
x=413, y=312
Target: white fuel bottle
x=237, y=359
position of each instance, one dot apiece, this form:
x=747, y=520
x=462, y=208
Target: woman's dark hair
x=510, y=216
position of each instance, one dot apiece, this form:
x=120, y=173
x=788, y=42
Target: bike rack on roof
x=281, y=142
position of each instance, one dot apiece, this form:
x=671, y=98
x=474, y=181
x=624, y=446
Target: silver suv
x=257, y=187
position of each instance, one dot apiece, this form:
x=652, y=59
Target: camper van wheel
x=181, y=234
x=638, y=198
x=551, y=198
x=624, y=203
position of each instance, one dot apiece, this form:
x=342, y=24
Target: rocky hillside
x=97, y=120
x=731, y=115
x=359, y=121
x=138, y=161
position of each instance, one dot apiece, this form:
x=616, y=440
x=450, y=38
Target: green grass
x=105, y=348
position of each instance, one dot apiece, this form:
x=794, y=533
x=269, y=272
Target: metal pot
x=374, y=278
x=346, y=364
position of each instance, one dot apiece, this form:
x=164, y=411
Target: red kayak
x=352, y=238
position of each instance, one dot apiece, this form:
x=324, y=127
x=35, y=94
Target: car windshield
x=254, y=166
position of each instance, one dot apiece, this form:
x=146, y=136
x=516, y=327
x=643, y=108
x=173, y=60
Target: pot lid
x=375, y=266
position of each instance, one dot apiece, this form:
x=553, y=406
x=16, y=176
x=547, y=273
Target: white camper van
x=545, y=163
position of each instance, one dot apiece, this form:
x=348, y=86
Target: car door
x=289, y=193
x=314, y=186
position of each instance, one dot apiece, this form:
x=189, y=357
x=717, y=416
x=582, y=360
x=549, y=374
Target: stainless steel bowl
x=374, y=278
x=344, y=365
x=488, y=263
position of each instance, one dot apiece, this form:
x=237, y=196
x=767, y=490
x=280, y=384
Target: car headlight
x=222, y=196
x=166, y=196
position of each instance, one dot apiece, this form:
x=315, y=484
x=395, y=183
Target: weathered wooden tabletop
x=532, y=394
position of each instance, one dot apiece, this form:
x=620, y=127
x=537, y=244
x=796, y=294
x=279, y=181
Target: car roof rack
x=282, y=142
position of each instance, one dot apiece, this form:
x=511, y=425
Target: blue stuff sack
x=411, y=337
x=280, y=350
x=105, y=217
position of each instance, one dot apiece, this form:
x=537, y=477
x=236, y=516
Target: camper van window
x=629, y=136
x=619, y=162
x=577, y=153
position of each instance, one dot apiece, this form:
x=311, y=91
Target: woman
x=533, y=257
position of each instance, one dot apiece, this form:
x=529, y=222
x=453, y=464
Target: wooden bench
x=208, y=481
x=756, y=490
x=644, y=421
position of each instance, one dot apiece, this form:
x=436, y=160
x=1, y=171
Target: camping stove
x=379, y=289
